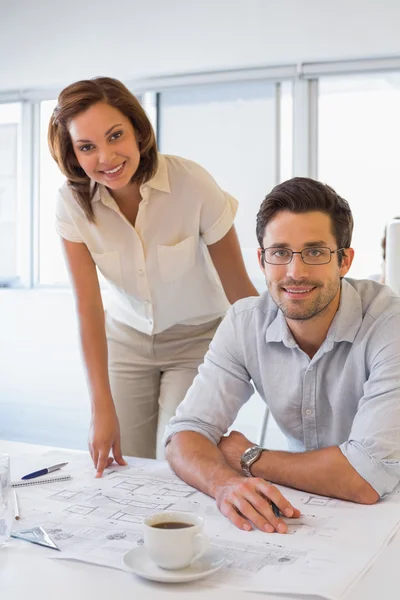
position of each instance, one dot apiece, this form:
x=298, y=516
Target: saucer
x=138, y=561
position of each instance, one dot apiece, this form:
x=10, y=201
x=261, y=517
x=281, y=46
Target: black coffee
x=172, y=525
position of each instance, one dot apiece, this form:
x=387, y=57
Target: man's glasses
x=310, y=256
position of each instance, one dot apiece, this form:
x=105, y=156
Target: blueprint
x=97, y=520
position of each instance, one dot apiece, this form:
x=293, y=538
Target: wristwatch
x=249, y=457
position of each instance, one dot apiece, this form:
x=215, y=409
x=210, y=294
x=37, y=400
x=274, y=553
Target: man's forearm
x=326, y=472
x=198, y=461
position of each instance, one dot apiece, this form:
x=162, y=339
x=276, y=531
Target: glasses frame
x=263, y=250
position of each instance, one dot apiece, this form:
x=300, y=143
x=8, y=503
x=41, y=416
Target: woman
x=161, y=232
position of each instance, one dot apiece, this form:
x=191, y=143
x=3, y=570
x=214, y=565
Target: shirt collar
x=278, y=331
x=343, y=328
x=348, y=318
x=160, y=182
x=97, y=195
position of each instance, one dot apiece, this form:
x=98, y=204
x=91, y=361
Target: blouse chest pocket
x=109, y=265
x=175, y=261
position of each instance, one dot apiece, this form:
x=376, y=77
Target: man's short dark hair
x=302, y=195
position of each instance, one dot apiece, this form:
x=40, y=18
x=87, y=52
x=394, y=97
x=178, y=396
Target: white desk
x=25, y=573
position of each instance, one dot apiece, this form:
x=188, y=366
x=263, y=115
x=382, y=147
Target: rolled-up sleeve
x=64, y=224
x=219, y=390
x=218, y=208
x=224, y=221
x=373, y=447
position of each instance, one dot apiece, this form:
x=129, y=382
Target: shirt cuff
x=67, y=231
x=224, y=223
x=382, y=475
x=170, y=431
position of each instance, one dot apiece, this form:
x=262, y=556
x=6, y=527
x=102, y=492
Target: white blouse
x=160, y=272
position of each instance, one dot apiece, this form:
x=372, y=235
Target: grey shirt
x=347, y=395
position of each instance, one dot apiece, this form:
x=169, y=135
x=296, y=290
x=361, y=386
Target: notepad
x=39, y=480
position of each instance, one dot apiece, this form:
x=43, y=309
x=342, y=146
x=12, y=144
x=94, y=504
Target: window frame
x=304, y=78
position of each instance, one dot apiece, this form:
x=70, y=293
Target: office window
x=231, y=130
x=358, y=155
x=10, y=122
x=52, y=269
x=286, y=131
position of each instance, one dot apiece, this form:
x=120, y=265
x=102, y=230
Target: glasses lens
x=316, y=256
x=278, y=256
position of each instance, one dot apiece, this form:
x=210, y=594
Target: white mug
x=171, y=547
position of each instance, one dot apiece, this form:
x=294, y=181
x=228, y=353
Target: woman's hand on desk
x=245, y=501
x=104, y=435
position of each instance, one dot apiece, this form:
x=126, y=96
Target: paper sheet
x=97, y=520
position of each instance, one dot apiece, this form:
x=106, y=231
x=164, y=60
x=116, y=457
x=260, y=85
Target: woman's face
x=105, y=145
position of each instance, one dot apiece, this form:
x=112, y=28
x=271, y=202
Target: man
x=324, y=354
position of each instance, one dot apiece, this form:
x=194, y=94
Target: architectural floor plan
x=98, y=520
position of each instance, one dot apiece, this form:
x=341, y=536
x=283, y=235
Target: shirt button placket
x=149, y=314
x=309, y=417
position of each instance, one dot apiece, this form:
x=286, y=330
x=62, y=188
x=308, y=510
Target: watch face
x=251, y=453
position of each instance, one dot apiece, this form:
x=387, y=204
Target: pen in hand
x=275, y=509
x=44, y=471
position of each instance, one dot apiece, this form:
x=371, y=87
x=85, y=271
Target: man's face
x=303, y=291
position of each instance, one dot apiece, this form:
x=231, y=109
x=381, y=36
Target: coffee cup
x=173, y=540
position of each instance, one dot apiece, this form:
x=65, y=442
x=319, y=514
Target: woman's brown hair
x=77, y=98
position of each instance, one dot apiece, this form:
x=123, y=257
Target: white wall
x=52, y=42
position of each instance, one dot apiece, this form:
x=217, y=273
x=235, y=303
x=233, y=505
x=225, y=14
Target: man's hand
x=232, y=447
x=245, y=501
